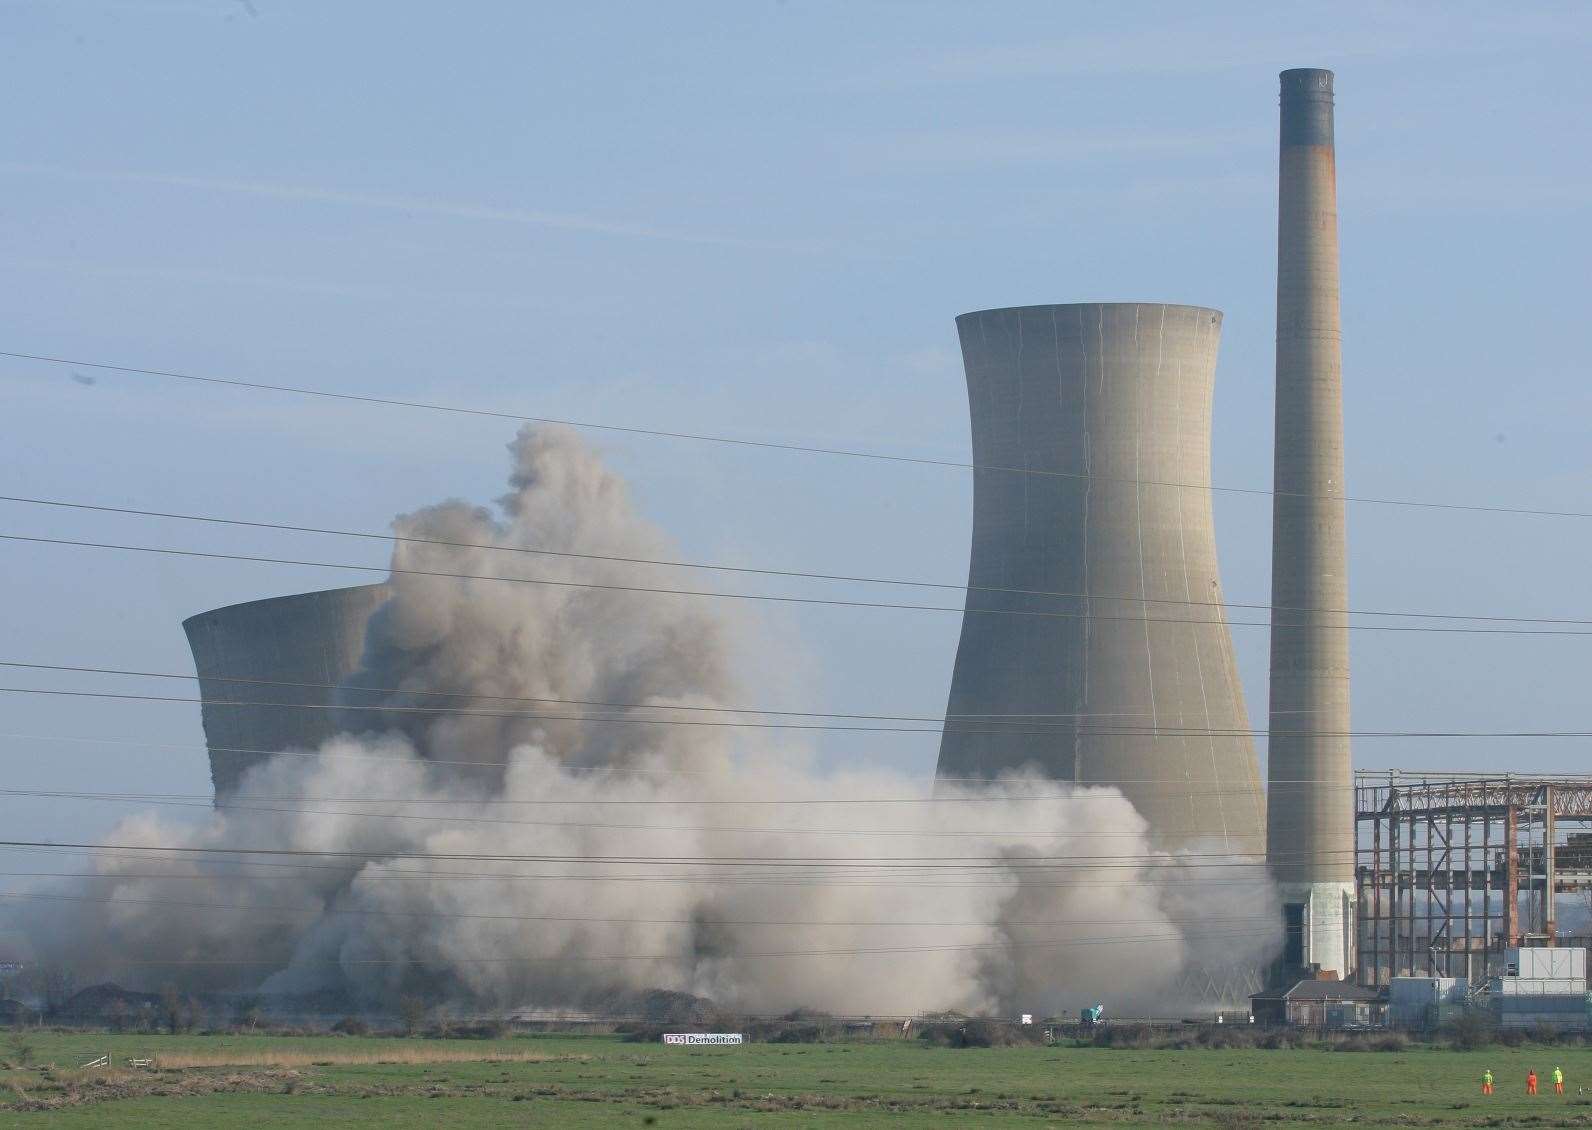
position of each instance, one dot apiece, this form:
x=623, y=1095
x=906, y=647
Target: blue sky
x=760, y=219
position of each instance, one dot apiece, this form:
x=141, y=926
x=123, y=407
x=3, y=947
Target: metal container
x=1549, y=963
x=1538, y=986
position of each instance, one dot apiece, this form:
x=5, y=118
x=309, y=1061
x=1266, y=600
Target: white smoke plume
x=707, y=859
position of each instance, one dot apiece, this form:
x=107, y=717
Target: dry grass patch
x=397, y=1054
x=52, y=1092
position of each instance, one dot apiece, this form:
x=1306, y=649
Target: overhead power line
x=241, y=803
x=1071, y=862
x=373, y=868
x=1080, y=791
x=689, y=709
x=361, y=912
x=371, y=872
x=611, y=719
x=1023, y=719
x=1143, y=731
x=404, y=539
x=766, y=445
x=803, y=600
x=584, y=959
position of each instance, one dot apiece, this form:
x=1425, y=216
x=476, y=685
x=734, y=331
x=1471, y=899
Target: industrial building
x=1540, y=988
x=1543, y=987
x=1094, y=644
x=1455, y=871
x=268, y=670
x=1319, y=1003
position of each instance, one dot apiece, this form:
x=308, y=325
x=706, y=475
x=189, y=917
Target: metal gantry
x=1452, y=869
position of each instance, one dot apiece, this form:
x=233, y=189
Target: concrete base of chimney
x=1326, y=922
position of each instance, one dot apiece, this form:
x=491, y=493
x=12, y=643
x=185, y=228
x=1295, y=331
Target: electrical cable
x=561, y=959
x=683, y=708
x=893, y=882
x=770, y=572
x=1151, y=731
x=769, y=445
x=695, y=922
x=768, y=597
x=1081, y=791
x=346, y=688
x=1182, y=860
x=231, y=803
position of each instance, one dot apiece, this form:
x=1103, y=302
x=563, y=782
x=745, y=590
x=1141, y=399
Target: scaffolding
x=1452, y=869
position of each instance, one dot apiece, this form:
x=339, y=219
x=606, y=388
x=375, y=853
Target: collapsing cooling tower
x=313, y=639
x=1094, y=647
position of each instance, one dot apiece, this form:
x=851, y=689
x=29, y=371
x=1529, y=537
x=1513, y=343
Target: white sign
x=1028, y=1018
x=695, y=1039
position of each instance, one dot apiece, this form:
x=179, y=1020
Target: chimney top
x=1307, y=107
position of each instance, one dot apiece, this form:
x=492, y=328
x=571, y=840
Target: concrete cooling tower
x=311, y=638
x=1094, y=647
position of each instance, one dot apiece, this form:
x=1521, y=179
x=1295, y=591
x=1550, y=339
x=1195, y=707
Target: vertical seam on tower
x=1088, y=608
x=1182, y=553
x=1138, y=525
x=1025, y=675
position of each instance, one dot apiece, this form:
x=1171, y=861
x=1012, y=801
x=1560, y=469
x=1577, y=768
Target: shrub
x=976, y=1032
x=804, y=1026
x=19, y=1050
x=351, y=1026
x=1389, y=1041
x=248, y=1012
x=1545, y=1034
x=640, y=1032
x=1136, y=1036
x=411, y=1011
x=1471, y=1029
x=1226, y=1036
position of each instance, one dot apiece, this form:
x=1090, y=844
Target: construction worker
x=1486, y=1082
x=1531, y=1081
x=1558, y=1080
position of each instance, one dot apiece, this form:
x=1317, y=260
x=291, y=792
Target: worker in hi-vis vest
x=1558, y=1080
x=1531, y=1081
x=1486, y=1082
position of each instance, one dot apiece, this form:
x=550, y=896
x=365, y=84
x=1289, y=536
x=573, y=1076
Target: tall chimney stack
x=1310, y=806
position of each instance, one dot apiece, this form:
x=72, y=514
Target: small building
x=1544, y=987
x=1319, y=1004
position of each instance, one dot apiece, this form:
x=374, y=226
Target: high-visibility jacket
x=1487, y=1077
x=1558, y=1075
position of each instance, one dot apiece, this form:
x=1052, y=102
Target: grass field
x=599, y=1081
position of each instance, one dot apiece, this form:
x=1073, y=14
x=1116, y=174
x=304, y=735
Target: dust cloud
x=537, y=804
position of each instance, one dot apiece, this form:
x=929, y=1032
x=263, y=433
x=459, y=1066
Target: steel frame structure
x=1450, y=869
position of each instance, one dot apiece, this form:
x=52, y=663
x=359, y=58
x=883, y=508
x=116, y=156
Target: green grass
x=603, y=1082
